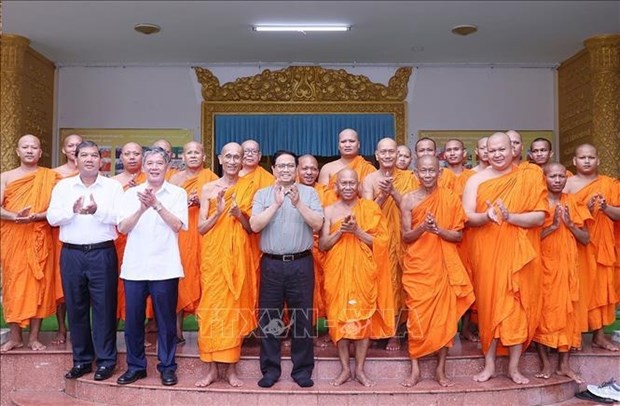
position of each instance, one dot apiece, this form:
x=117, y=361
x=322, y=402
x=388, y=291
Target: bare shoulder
x=9, y=176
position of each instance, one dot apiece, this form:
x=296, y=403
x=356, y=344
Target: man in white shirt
x=84, y=208
x=152, y=214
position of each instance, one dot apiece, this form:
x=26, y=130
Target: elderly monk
x=27, y=249
x=68, y=169
x=560, y=236
x=132, y=175
x=308, y=172
x=502, y=203
x=192, y=179
x=438, y=289
x=427, y=147
x=403, y=157
x=349, y=148
x=386, y=187
x=481, y=154
x=598, y=299
x=166, y=146
x=227, y=303
x=357, y=279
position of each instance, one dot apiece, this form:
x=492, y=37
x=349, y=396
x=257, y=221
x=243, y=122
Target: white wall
x=440, y=98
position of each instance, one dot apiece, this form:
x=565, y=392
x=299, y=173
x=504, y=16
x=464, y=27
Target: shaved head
x=553, y=166
x=70, y=139
x=232, y=146
x=193, y=144
x=131, y=145
x=586, y=147
x=309, y=157
x=345, y=172
x=29, y=138
x=427, y=160
x=386, y=143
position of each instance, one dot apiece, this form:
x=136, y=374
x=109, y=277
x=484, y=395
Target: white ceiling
x=383, y=32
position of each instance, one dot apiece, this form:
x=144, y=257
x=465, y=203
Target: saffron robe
x=189, y=246
x=597, y=260
x=358, y=288
x=505, y=263
x=319, y=259
x=27, y=251
x=558, y=326
x=228, y=300
x=438, y=289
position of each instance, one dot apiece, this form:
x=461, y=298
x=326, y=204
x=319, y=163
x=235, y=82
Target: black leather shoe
x=78, y=371
x=169, y=378
x=102, y=373
x=130, y=377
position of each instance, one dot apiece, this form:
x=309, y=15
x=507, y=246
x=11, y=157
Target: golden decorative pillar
x=604, y=58
x=27, y=98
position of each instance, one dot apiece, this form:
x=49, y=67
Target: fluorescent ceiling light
x=302, y=28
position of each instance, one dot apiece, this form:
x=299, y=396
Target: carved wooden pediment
x=304, y=84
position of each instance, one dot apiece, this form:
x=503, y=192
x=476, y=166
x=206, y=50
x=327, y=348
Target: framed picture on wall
x=470, y=139
x=111, y=140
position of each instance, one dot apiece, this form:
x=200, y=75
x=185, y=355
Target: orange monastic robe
x=228, y=301
x=27, y=251
x=558, y=325
x=189, y=246
x=259, y=179
x=403, y=183
x=460, y=180
x=319, y=259
x=358, y=291
x=119, y=244
x=597, y=260
x=438, y=289
x=506, y=267
x=446, y=179
x=170, y=172
x=360, y=165
x=60, y=296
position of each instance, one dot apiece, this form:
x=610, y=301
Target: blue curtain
x=315, y=134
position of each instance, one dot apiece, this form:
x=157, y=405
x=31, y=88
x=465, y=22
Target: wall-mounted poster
x=111, y=140
x=471, y=137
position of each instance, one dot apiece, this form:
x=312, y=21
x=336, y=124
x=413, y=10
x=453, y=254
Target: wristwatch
x=158, y=207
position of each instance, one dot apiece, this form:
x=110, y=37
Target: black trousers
x=90, y=278
x=291, y=282
x=164, y=294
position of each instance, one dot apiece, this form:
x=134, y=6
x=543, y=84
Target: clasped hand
x=79, y=208
x=24, y=216
x=349, y=224
x=147, y=198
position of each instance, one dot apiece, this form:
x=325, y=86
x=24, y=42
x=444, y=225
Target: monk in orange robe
x=192, y=179
x=455, y=155
x=438, y=289
x=386, y=187
x=227, y=305
x=502, y=202
x=349, y=147
x=403, y=157
x=560, y=235
x=27, y=250
x=308, y=172
x=358, y=288
x=69, y=145
x=259, y=178
x=481, y=154
x=132, y=175
x=596, y=260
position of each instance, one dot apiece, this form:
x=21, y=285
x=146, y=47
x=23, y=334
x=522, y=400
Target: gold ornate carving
x=304, y=84
x=27, y=104
x=604, y=53
x=301, y=90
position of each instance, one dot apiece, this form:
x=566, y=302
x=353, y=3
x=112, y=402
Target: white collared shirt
x=152, y=251
x=85, y=228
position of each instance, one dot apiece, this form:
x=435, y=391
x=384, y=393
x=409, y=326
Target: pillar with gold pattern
x=13, y=65
x=604, y=53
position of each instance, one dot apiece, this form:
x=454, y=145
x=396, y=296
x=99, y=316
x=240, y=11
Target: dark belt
x=288, y=257
x=89, y=247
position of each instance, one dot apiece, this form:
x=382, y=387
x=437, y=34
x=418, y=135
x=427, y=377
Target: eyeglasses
x=250, y=151
x=283, y=166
